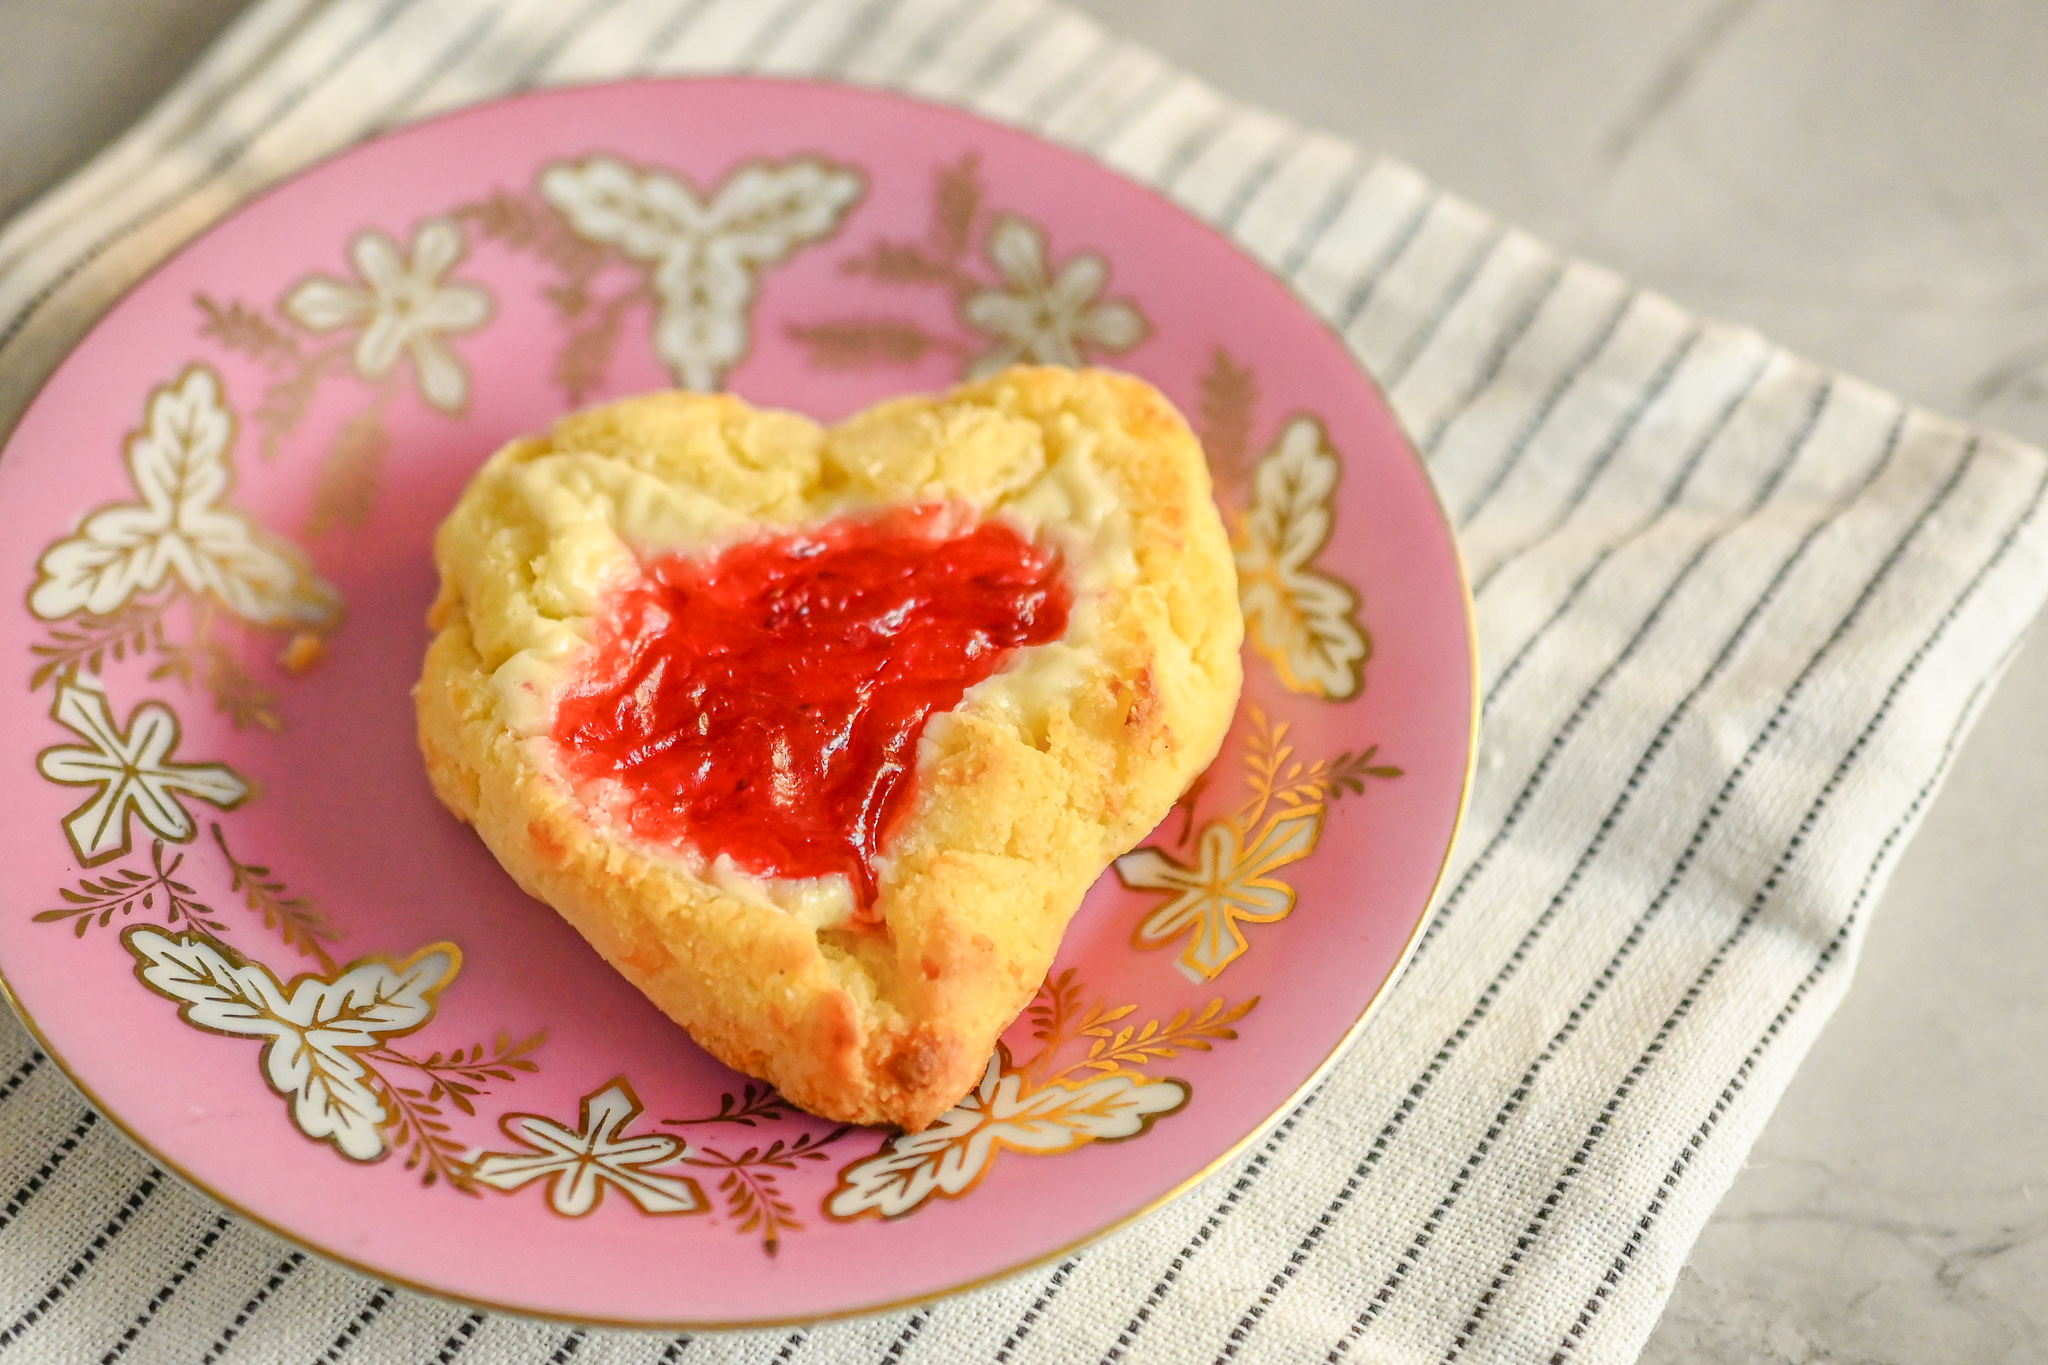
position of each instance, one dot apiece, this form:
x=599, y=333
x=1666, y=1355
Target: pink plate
x=240, y=920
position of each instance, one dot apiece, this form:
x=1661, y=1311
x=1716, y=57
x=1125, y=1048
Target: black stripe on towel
x=1672, y=493
x=1313, y=1237
x=680, y=21
x=20, y=1074
x=1053, y=1284
x=1759, y=901
x=372, y=1309
x=1247, y=1177
x=1641, y=1227
x=1722, y=801
x=41, y=1175
x=1563, y=736
x=1461, y=285
x=83, y=1264
x=1389, y=256
x=1496, y=358
x=1559, y=387
x=458, y=1340
x=767, y=37
x=206, y=1244
x=1667, y=371
x=283, y=1271
x=1257, y=178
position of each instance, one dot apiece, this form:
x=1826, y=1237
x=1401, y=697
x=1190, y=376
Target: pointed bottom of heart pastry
x=1023, y=792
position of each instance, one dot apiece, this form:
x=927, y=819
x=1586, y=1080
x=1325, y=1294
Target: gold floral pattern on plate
x=328, y=1041
x=1300, y=618
x=578, y=1163
x=1232, y=881
x=1035, y=1108
x=401, y=306
x=133, y=771
x=1014, y=306
x=619, y=236
x=695, y=259
x=110, y=585
x=314, y=1030
x=334, y=315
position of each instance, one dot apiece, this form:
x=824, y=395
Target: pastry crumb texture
x=1025, y=791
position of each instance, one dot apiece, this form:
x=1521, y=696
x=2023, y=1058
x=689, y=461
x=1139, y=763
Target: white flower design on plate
x=404, y=307
x=133, y=770
x=703, y=259
x=182, y=527
x=1041, y=320
x=1303, y=621
x=580, y=1162
x=310, y=1029
x=1225, y=884
x=950, y=1158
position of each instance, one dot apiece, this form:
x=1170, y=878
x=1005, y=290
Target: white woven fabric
x=1735, y=615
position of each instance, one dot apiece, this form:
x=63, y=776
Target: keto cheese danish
x=819, y=735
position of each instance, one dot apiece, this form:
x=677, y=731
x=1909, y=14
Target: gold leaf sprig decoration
x=1040, y=1107
x=87, y=641
x=418, y=1124
x=858, y=343
x=1057, y=1018
x=1012, y=302
x=415, y=1126
x=464, y=1074
x=345, y=494
x=124, y=890
x=1230, y=398
x=300, y=922
x=207, y=661
x=1233, y=880
x=288, y=398
x=754, y=1104
x=1189, y=1031
x=527, y=223
x=957, y=198
x=1276, y=777
x=753, y=1199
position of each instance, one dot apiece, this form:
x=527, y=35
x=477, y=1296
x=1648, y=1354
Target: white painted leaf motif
x=578, y=1163
x=133, y=770
x=950, y=1158
x=182, y=528
x=309, y=1030
x=703, y=259
x=1226, y=884
x=405, y=306
x=1041, y=318
x=1300, y=619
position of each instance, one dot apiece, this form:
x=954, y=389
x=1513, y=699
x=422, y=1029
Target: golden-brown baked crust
x=1024, y=792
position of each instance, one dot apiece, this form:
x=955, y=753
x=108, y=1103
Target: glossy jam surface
x=766, y=704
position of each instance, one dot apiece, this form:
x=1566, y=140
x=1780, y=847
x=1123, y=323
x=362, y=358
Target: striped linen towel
x=1736, y=614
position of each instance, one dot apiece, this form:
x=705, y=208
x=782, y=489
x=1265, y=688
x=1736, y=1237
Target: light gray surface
x=1857, y=178
x=74, y=73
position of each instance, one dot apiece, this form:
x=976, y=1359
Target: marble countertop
x=1856, y=178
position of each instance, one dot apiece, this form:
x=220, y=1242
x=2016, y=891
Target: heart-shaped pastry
x=820, y=735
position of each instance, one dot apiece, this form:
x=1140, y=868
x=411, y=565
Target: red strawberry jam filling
x=766, y=704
